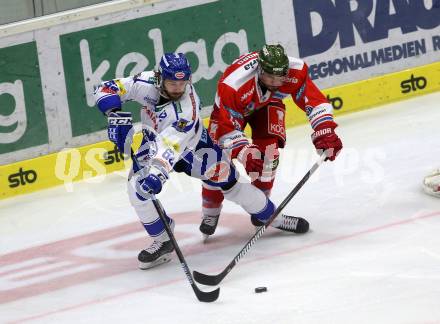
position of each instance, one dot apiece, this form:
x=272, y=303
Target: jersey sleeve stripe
x=321, y=120
x=194, y=105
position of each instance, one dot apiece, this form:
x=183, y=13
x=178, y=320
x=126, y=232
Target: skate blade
x=163, y=259
x=205, y=238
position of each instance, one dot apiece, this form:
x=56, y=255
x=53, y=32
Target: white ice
x=372, y=255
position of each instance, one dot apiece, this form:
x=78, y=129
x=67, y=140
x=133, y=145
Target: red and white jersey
x=239, y=95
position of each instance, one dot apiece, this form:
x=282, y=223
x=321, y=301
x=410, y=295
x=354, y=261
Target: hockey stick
x=213, y=280
x=203, y=296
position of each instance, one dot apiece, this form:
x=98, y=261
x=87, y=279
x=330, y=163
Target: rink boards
x=91, y=162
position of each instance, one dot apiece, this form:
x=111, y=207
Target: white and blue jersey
x=173, y=130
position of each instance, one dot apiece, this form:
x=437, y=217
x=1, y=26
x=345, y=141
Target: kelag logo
x=22, y=177
x=342, y=18
x=336, y=102
x=413, y=84
x=210, y=50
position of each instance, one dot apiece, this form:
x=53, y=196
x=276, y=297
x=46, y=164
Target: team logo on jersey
x=179, y=75
x=309, y=110
x=275, y=121
x=182, y=125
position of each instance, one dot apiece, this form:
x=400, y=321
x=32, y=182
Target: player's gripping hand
x=153, y=181
x=325, y=139
x=252, y=158
x=119, y=126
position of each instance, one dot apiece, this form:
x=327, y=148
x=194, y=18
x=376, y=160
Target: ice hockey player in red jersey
x=250, y=92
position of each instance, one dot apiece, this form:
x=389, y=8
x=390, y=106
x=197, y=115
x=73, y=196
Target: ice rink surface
x=69, y=254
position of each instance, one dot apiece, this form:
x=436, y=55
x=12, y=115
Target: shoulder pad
x=147, y=76
x=295, y=63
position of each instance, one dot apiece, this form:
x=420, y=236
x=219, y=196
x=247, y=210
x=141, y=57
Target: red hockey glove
x=325, y=138
x=252, y=158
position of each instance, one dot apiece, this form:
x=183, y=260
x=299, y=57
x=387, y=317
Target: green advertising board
x=211, y=35
x=22, y=116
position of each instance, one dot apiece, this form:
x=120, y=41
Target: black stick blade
x=208, y=280
x=207, y=296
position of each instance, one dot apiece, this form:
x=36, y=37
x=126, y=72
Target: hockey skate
x=286, y=223
x=208, y=225
x=431, y=183
x=157, y=253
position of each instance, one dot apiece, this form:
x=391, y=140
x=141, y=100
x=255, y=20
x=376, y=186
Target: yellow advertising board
x=98, y=159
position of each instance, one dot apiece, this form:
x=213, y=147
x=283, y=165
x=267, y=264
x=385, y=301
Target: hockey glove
x=154, y=180
x=120, y=126
x=325, y=139
x=252, y=158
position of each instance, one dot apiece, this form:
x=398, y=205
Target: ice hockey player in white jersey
x=174, y=139
x=431, y=183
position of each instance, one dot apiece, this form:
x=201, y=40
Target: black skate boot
x=156, y=254
x=293, y=224
x=286, y=223
x=208, y=225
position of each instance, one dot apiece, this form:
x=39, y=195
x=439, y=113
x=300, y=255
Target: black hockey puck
x=260, y=289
